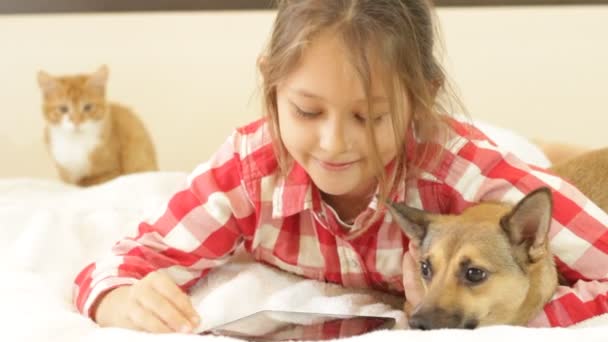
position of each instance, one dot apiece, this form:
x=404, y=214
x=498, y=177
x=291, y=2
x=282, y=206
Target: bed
x=51, y=230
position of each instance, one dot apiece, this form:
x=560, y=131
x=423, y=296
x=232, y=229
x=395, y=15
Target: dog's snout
x=419, y=323
x=437, y=318
x=471, y=324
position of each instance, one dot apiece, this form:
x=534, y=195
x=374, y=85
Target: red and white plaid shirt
x=238, y=196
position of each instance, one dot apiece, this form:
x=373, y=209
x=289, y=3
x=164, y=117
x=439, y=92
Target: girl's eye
x=305, y=114
x=379, y=118
x=63, y=109
x=363, y=118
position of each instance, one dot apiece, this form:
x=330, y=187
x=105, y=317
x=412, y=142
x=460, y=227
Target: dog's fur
x=504, y=246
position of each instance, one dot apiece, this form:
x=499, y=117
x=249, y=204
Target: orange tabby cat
x=90, y=139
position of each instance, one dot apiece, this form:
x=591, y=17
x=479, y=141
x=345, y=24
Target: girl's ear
x=435, y=85
x=262, y=64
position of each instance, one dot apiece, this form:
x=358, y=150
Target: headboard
x=96, y=6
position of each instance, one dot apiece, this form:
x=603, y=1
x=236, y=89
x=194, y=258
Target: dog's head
x=489, y=265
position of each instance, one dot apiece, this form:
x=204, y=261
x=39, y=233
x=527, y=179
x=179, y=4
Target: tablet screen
x=297, y=326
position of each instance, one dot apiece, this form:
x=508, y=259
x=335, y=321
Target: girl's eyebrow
x=306, y=93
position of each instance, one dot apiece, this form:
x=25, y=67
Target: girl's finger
x=144, y=320
x=166, y=287
x=163, y=309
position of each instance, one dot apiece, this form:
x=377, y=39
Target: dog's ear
x=414, y=222
x=527, y=225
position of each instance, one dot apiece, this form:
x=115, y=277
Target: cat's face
x=74, y=102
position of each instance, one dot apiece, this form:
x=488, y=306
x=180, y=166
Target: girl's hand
x=412, y=281
x=153, y=304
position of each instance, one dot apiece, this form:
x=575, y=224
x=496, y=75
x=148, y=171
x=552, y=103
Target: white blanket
x=49, y=231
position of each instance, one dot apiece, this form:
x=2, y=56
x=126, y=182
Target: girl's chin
x=341, y=188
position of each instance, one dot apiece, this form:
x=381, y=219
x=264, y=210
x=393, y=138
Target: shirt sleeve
x=198, y=229
x=480, y=171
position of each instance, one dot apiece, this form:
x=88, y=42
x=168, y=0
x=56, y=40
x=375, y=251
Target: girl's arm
x=479, y=171
x=199, y=229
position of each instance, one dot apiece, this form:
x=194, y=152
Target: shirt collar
x=294, y=192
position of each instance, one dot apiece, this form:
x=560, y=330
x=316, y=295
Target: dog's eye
x=475, y=275
x=425, y=270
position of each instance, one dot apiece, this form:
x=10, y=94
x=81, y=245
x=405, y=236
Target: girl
x=353, y=101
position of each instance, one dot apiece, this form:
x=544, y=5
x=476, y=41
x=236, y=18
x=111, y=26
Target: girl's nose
x=334, y=137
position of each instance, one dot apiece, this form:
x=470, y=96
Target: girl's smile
x=335, y=166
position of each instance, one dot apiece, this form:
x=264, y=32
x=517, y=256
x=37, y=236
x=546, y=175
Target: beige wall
x=192, y=77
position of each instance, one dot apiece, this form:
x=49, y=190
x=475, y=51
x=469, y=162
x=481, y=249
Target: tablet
x=272, y=325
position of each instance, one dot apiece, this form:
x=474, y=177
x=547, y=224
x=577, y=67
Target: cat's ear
x=99, y=78
x=46, y=82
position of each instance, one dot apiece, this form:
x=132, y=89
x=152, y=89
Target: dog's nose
x=471, y=324
x=438, y=318
x=419, y=323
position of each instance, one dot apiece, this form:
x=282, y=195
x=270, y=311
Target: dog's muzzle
x=437, y=318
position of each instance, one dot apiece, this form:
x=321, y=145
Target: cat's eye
x=475, y=275
x=426, y=270
x=63, y=109
x=87, y=107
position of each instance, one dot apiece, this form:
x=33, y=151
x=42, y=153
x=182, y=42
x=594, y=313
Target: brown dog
x=492, y=264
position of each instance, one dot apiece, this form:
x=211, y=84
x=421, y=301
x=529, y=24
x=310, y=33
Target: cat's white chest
x=72, y=147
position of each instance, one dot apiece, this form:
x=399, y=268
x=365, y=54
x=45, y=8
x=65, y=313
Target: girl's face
x=322, y=114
